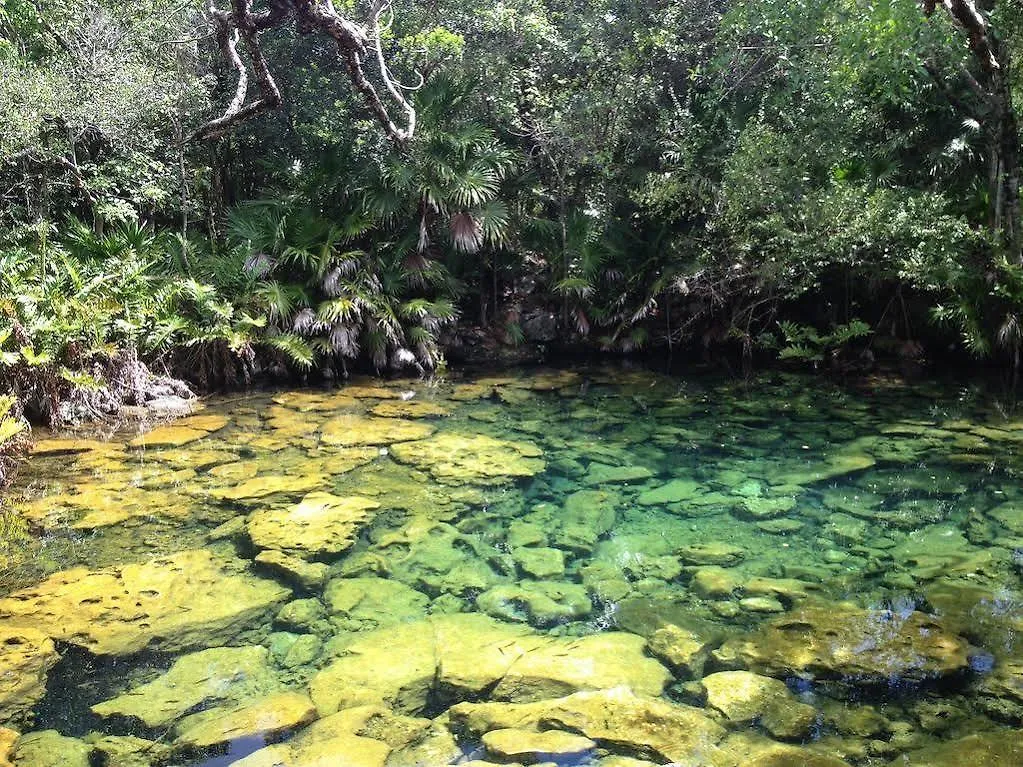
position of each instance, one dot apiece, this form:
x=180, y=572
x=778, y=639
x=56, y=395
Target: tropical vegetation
x=215, y=193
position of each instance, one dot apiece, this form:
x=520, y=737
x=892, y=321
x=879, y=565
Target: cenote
x=593, y=566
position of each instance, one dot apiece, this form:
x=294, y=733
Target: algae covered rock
x=185, y=601
x=542, y=603
x=457, y=458
x=999, y=748
x=48, y=748
x=406, y=665
x=210, y=677
x=367, y=603
x=352, y=430
x=26, y=656
x=616, y=719
x=306, y=575
x=603, y=474
x=266, y=717
x=845, y=642
x=599, y=661
x=263, y=485
x=742, y=697
x=321, y=523
x=684, y=651
x=675, y=491
x=529, y=747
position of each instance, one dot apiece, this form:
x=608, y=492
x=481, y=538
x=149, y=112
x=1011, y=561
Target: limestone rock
x=529, y=747
x=743, y=697
x=321, y=523
x=319, y=752
x=615, y=718
x=409, y=409
x=540, y=562
x=269, y=484
x=458, y=458
x=305, y=575
x=595, y=662
x=841, y=641
x=675, y=491
x=368, y=603
x=269, y=716
x=185, y=601
x=352, y=430
x=682, y=650
x=602, y=474
x=714, y=553
x=541, y=603
x=1000, y=748
x=303, y=615
x=48, y=748
x=8, y=743
x=26, y=656
x=713, y=582
x=210, y=677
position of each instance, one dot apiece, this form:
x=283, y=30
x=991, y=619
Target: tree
x=353, y=42
x=995, y=112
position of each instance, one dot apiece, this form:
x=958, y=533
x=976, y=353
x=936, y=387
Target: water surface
x=580, y=567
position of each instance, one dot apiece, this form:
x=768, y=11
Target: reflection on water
x=587, y=567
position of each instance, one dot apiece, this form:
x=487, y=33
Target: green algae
x=492, y=540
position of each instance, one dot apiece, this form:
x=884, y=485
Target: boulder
x=616, y=719
x=999, y=748
x=208, y=678
x=358, y=604
x=167, y=604
x=599, y=661
x=26, y=656
x=529, y=747
x=320, y=524
x=540, y=562
x=742, y=697
x=266, y=717
x=457, y=458
x=714, y=553
x=48, y=748
x=305, y=575
x=675, y=491
x=603, y=474
x=682, y=650
x=843, y=642
x=541, y=603
x=352, y=430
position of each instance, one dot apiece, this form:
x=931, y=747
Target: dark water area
x=592, y=566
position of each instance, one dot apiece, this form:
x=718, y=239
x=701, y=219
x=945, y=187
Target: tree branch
x=965, y=13
x=312, y=15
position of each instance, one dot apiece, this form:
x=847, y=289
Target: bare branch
x=311, y=15
x=965, y=13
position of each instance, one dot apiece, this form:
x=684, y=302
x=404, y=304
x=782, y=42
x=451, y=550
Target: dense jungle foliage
x=817, y=181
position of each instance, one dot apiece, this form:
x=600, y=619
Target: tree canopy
x=337, y=182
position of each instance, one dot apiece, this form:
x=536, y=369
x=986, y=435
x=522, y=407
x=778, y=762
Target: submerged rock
x=529, y=747
x=306, y=575
x=321, y=523
x=455, y=656
x=676, y=491
x=542, y=603
x=1000, y=748
x=742, y=697
x=26, y=656
x=458, y=458
x=277, y=713
x=602, y=474
x=210, y=677
x=353, y=430
x=185, y=601
x=48, y=748
x=358, y=604
x=616, y=719
x=844, y=642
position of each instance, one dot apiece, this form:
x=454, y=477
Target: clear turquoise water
x=862, y=545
